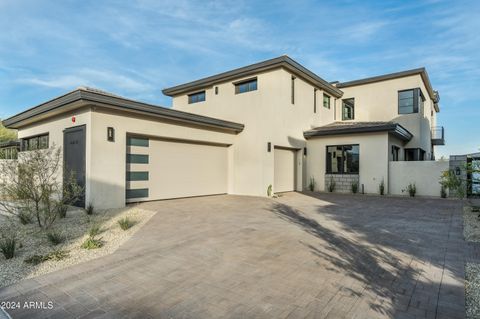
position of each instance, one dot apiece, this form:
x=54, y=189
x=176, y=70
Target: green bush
x=55, y=238
x=90, y=210
x=381, y=187
x=94, y=230
x=24, y=216
x=412, y=189
x=269, y=190
x=54, y=255
x=92, y=243
x=331, y=185
x=125, y=223
x=354, y=188
x=8, y=244
x=443, y=192
x=311, y=184
x=62, y=211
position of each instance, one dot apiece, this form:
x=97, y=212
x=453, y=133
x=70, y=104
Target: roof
x=90, y=96
x=282, y=61
x=419, y=71
x=340, y=128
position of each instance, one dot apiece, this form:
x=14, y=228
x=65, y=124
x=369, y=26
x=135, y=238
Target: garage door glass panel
x=137, y=159
x=137, y=193
x=137, y=176
x=137, y=141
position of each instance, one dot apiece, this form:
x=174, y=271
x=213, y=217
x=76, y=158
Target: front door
x=74, y=158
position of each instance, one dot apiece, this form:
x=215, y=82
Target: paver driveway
x=300, y=256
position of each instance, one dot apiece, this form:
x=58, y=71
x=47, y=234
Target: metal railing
x=438, y=135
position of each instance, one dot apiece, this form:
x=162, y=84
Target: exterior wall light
x=110, y=134
x=305, y=151
x=269, y=147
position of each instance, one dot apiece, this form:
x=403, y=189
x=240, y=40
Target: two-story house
x=273, y=125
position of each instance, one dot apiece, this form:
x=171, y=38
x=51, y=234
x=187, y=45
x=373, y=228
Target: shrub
x=311, y=184
x=354, y=188
x=54, y=255
x=269, y=190
x=331, y=185
x=125, y=223
x=55, y=238
x=8, y=244
x=443, y=192
x=412, y=189
x=33, y=182
x=62, y=211
x=90, y=209
x=92, y=243
x=24, y=216
x=381, y=187
x=94, y=230
x=450, y=180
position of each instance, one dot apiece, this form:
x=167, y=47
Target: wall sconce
x=305, y=151
x=110, y=134
x=457, y=170
x=269, y=147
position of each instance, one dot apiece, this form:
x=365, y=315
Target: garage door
x=284, y=171
x=162, y=169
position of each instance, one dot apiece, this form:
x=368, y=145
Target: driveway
x=299, y=256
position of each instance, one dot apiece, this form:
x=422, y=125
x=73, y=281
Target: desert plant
x=34, y=182
x=62, y=211
x=8, y=244
x=269, y=190
x=381, y=187
x=55, y=238
x=54, y=255
x=125, y=223
x=450, y=180
x=412, y=189
x=90, y=210
x=331, y=185
x=443, y=192
x=24, y=216
x=311, y=184
x=92, y=243
x=354, y=187
x=94, y=230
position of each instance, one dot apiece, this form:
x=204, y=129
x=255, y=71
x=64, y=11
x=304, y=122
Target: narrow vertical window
x=348, y=109
x=326, y=101
x=293, y=90
x=314, y=100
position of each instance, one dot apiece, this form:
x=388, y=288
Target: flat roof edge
x=394, y=128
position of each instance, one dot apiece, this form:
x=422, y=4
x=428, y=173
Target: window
x=314, y=100
x=38, y=142
x=414, y=154
x=196, y=97
x=137, y=193
x=395, y=152
x=326, y=101
x=343, y=159
x=410, y=101
x=348, y=109
x=137, y=159
x=246, y=86
x=137, y=141
x=293, y=90
x=137, y=176
x=8, y=152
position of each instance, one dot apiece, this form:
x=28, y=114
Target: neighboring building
x=271, y=123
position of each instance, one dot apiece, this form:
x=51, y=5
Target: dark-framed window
x=37, y=142
x=196, y=97
x=343, y=159
x=348, y=109
x=246, y=86
x=410, y=101
x=10, y=152
x=314, y=100
x=326, y=101
x=395, y=153
x=414, y=154
x=293, y=90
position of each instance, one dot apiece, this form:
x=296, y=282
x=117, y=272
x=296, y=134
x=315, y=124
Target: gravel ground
x=472, y=290
x=471, y=229
x=75, y=228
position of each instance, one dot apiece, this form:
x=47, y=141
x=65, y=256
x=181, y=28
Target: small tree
x=7, y=134
x=451, y=181
x=34, y=183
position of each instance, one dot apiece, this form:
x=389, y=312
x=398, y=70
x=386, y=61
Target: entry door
x=284, y=170
x=74, y=157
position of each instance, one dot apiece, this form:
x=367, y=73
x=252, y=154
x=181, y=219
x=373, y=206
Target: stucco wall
x=425, y=175
x=373, y=159
x=379, y=102
x=269, y=116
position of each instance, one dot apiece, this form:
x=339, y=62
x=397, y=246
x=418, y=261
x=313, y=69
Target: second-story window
x=410, y=101
x=314, y=100
x=196, y=97
x=246, y=86
x=348, y=109
x=293, y=90
x=326, y=101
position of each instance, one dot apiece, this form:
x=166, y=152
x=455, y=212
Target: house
x=273, y=123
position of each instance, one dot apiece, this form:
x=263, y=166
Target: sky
x=136, y=48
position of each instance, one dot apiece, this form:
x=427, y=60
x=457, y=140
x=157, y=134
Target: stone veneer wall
x=343, y=182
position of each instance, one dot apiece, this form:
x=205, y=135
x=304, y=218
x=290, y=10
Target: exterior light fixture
x=305, y=151
x=269, y=147
x=110, y=134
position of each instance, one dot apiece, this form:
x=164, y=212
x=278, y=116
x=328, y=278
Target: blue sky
x=137, y=48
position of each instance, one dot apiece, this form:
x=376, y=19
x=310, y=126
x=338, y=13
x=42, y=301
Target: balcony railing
x=438, y=135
